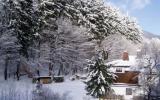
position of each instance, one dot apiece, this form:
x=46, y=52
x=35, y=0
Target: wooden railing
x=113, y=97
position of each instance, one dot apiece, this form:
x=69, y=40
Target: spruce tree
x=100, y=79
x=26, y=24
x=9, y=47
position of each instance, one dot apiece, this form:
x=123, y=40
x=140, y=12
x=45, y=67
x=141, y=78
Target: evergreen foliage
x=26, y=24
x=9, y=47
x=30, y=24
x=100, y=79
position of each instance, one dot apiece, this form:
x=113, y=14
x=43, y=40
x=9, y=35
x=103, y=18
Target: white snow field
x=22, y=90
x=67, y=90
x=75, y=89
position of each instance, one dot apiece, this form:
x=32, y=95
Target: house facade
x=127, y=80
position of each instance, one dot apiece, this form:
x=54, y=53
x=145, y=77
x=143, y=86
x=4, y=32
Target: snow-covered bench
x=58, y=79
x=43, y=79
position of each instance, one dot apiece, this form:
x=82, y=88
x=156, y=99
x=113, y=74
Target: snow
x=120, y=62
x=125, y=65
x=74, y=89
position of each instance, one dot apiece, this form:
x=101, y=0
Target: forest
x=65, y=38
x=58, y=34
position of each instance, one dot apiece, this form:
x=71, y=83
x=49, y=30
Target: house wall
x=128, y=77
x=122, y=90
x=113, y=69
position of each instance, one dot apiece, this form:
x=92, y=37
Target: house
x=127, y=80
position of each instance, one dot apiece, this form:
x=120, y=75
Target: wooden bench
x=43, y=79
x=58, y=79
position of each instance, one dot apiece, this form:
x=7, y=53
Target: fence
x=114, y=97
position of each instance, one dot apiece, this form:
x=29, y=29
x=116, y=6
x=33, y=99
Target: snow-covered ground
x=71, y=90
x=74, y=90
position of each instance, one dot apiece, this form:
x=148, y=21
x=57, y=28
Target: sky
x=147, y=12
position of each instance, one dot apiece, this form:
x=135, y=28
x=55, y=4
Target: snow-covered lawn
x=75, y=89
x=22, y=90
x=68, y=90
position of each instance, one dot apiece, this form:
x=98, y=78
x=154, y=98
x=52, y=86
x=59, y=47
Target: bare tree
x=149, y=59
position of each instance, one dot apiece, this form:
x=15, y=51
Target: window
x=128, y=91
x=118, y=69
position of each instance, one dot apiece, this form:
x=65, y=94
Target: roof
x=120, y=62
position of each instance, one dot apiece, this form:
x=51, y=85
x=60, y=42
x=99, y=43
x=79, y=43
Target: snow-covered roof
x=120, y=62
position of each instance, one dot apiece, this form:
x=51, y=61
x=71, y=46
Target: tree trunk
x=18, y=71
x=38, y=72
x=149, y=93
x=6, y=69
x=60, y=72
x=50, y=69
